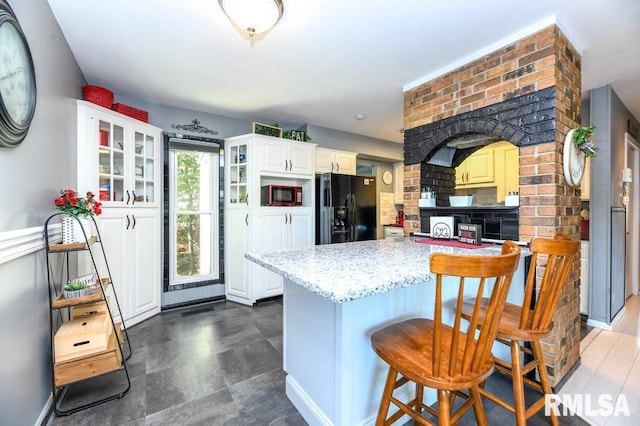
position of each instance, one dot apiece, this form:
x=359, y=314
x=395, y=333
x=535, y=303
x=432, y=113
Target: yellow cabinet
x=585, y=185
x=476, y=169
x=494, y=165
x=507, y=180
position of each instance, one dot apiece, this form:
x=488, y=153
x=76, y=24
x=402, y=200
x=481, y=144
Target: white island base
x=333, y=375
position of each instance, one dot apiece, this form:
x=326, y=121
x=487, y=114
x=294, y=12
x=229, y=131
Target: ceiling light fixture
x=253, y=18
x=361, y=116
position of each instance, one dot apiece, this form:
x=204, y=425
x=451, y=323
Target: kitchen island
x=335, y=297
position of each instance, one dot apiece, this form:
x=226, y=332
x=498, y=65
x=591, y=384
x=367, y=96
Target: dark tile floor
x=215, y=364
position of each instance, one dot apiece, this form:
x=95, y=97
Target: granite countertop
x=350, y=271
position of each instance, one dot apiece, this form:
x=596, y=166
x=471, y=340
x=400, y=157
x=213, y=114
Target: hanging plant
x=583, y=140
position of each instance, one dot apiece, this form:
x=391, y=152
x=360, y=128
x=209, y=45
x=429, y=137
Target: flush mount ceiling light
x=253, y=18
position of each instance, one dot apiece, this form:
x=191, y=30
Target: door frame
x=188, y=294
x=632, y=283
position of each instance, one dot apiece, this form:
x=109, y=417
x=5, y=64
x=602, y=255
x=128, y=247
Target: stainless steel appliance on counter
x=345, y=208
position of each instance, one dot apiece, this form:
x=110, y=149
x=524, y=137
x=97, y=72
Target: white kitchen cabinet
x=335, y=161
x=119, y=160
x=398, y=183
x=131, y=236
x=118, y=157
x=393, y=232
x=253, y=161
x=279, y=229
x=282, y=156
x=236, y=242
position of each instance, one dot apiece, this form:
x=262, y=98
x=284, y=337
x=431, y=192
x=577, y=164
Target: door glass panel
x=195, y=205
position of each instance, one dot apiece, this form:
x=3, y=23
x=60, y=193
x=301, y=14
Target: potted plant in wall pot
x=578, y=146
x=583, y=140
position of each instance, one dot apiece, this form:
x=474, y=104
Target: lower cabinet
x=131, y=237
x=236, y=242
x=261, y=229
x=280, y=228
x=393, y=232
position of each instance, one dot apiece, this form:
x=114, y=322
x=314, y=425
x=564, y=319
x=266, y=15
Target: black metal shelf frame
x=54, y=290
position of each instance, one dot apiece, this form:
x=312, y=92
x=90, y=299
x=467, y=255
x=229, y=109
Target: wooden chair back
x=457, y=353
x=560, y=253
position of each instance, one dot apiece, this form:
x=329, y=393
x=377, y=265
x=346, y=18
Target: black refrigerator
x=345, y=208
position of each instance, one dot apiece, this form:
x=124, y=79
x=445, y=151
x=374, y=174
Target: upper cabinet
x=493, y=165
x=334, y=161
x=285, y=157
x=119, y=158
x=477, y=168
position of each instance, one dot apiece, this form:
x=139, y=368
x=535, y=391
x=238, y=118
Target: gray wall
x=32, y=174
x=368, y=148
x=610, y=116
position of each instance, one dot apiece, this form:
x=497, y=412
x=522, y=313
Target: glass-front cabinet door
x=121, y=158
x=237, y=186
x=111, y=162
x=144, y=167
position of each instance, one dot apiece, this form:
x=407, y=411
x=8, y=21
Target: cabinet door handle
x=338, y=167
x=290, y=219
x=134, y=221
x=246, y=219
x=286, y=221
x=134, y=197
x=467, y=176
x=332, y=167
x=290, y=165
x=128, y=196
x=128, y=222
x=286, y=165
x=246, y=199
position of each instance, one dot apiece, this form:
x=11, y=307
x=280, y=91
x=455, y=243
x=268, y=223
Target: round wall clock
x=572, y=161
x=387, y=177
x=17, y=80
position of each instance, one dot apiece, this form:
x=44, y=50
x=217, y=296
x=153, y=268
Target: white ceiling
x=328, y=60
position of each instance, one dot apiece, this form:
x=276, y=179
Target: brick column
x=495, y=85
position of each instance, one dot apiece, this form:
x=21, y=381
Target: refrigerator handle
x=352, y=216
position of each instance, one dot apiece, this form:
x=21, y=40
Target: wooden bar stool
x=520, y=324
x=444, y=356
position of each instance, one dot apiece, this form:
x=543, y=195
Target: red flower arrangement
x=70, y=203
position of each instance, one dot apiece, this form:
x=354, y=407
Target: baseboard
x=45, y=415
x=604, y=325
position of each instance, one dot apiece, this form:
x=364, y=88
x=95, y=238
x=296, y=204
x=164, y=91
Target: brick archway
x=495, y=95
x=524, y=120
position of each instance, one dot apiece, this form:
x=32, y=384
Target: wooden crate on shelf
x=89, y=366
x=82, y=336
x=84, y=311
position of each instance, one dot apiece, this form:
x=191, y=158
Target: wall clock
x=17, y=80
x=572, y=161
x=387, y=177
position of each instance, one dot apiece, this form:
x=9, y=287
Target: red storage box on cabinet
x=98, y=95
x=138, y=114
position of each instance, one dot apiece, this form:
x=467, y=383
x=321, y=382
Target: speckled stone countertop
x=350, y=271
